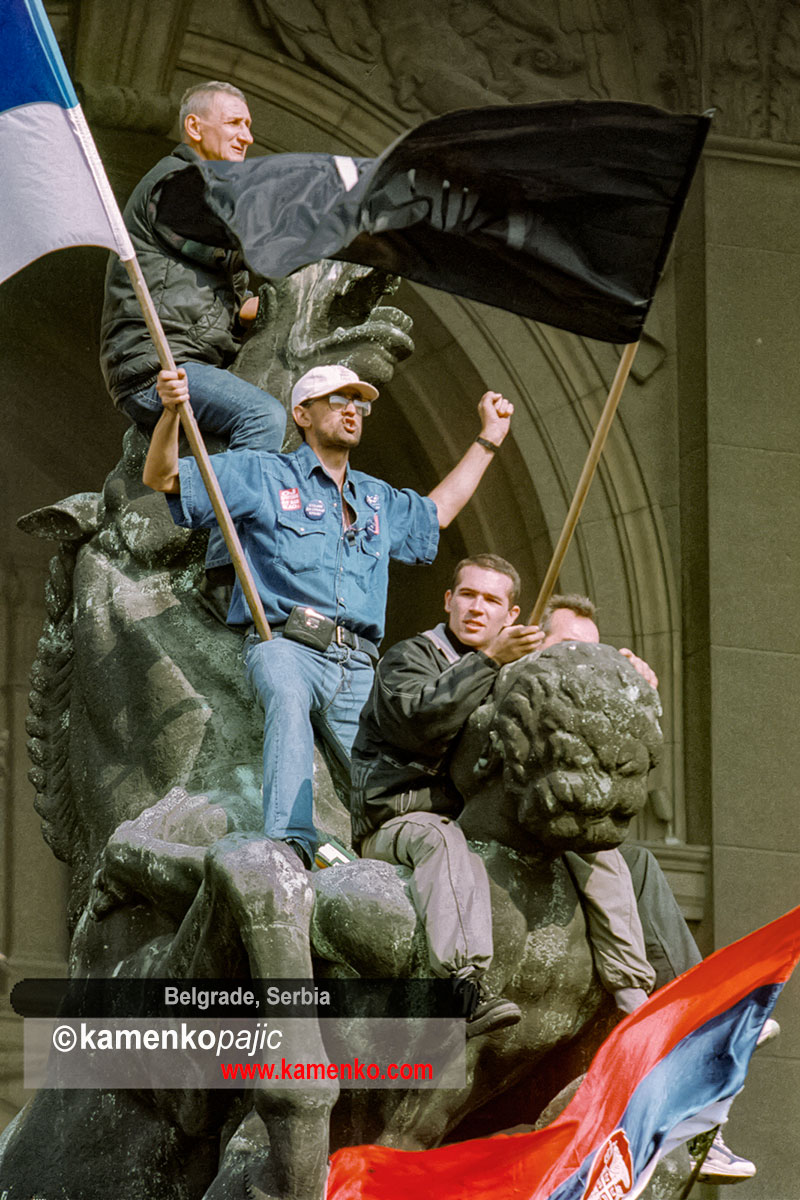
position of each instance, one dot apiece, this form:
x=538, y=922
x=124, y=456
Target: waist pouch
x=309, y=627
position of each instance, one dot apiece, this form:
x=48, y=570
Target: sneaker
x=467, y=994
x=485, y=1014
x=331, y=852
x=723, y=1166
x=769, y=1030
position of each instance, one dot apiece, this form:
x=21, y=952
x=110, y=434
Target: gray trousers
x=603, y=882
x=671, y=948
x=450, y=892
x=449, y=887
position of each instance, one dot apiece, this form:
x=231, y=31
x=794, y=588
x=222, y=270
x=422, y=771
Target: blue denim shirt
x=288, y=513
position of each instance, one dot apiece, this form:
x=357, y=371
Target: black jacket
x=196, y=290
x=424, y=691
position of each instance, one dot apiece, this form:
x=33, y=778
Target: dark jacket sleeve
x=195, y=289
x=419, y=707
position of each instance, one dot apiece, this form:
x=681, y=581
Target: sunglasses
x=338, y=402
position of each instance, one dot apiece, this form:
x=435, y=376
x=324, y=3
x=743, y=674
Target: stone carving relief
x=738, y=83
x=680, y=69
x=741, y=57
x=124, y=61
x=785, y=93
x=736, y=55
x=427, y=59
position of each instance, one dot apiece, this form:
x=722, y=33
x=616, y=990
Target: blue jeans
x=245, y=415
x=302, y=690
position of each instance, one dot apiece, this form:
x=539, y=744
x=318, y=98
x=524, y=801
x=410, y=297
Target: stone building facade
x=690, y=539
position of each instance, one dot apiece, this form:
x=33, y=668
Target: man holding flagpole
x=200, y=296
x=318, y=536
x=404, y=805
x=404, y=809
x=586, y=274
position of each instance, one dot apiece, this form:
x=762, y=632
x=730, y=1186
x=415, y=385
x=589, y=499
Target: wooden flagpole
x=587, y=475
x=198, y=448
x=698, y=1162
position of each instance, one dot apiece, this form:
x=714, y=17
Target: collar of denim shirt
x=311, y=463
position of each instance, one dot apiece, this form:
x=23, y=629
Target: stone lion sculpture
x=179, y=891
x=154, y=802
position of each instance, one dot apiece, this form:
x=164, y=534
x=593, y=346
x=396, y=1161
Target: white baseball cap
x=323, y=381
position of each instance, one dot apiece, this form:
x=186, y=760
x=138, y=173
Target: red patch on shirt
x=290, y=499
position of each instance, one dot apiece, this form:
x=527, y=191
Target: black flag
x=563, y=212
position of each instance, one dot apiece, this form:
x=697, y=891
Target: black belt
x=345, y=637
x=342, y=636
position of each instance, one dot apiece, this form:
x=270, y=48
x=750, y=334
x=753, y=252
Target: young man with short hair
x=404, y=805
x=670, y=946
x=571, y=618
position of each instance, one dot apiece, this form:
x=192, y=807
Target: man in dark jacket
x=404, y=805
x=200, y=295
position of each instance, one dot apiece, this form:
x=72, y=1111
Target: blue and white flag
x=53, y=188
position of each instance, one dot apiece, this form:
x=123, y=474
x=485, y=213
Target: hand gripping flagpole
x=198, y=448
x=76, y=197
x=587, y=475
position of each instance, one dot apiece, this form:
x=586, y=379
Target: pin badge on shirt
x=290, y=499
x=315, y=510
x=373, y=501
x=374, y=526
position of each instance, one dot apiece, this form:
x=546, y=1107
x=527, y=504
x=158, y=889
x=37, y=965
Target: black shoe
x=485, y=1014
x=297, y=848
x=467, y=994
x=492, y=1014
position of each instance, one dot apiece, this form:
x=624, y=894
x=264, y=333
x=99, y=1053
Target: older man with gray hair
x=200, y=293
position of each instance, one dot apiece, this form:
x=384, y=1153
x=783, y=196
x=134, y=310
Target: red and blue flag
x=667, y=1072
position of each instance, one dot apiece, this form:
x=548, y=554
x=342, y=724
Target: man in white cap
x=318, y=537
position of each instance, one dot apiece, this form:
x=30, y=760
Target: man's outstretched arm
x=457, y=488
x=161, y=465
